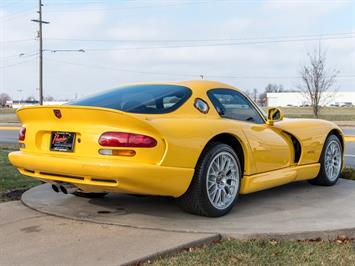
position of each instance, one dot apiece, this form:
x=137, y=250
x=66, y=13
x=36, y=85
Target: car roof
x=204, y=85
x=199, y=86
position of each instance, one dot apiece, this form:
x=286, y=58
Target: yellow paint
x=279, y=177
x=10, y=128
x=168, y=168
x=349, y=138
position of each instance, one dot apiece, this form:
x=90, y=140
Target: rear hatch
x=85, y=125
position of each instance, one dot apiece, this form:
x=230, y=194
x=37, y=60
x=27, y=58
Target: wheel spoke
x=332, y=160
x=212, y=184
x=216, y=198
x=222, y=180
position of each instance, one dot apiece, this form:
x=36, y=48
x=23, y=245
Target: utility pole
x=40, y=22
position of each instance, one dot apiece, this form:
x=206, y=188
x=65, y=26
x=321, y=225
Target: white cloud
x=271, y=18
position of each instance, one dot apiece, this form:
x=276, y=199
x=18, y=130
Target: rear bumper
x=104, y=175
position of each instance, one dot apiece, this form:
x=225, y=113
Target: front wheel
x=215, y=186
x=331, y=163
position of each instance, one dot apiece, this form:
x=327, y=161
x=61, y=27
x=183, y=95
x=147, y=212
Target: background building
x=17, y=104
x=283, y=99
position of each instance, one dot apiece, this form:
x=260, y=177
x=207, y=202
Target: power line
x=17, y=55
x=17, y=41
x=10, y=4
x=203, y=40
x=105, y=67
x=16, y=64
x=214, y=44
x=136, y=7
x=16, y=14
x=258, y=39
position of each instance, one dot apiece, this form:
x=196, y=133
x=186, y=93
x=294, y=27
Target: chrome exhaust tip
x=55, y=188
x=67, y=188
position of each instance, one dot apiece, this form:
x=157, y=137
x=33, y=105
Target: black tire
x=89, y=195
x=323, y=179
x=196, y=200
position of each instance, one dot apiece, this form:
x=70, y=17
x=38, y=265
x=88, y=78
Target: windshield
x=144, y=99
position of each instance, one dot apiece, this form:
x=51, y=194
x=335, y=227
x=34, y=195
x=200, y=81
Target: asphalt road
x=10, y=137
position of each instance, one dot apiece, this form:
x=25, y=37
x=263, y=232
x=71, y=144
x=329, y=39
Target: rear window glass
x=143, y=99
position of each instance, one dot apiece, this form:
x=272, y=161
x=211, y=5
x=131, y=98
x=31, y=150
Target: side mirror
x=274, y=115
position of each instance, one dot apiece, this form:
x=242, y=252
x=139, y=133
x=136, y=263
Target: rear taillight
x=122, y=139
x=22, y=134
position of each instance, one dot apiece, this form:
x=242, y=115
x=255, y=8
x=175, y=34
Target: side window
x=232, y=104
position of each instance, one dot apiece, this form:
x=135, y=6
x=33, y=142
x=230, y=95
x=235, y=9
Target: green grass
x=264, y=252
x=327, y=113
x=329, y=117
x=348, y=173
x=7, y=110
x=10, y=178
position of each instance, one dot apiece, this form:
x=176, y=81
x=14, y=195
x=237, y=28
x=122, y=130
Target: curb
x=175, y=250
x=323, y=235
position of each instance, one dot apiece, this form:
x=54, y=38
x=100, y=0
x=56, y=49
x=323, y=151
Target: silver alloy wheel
x=222, y=180
x=333, y=159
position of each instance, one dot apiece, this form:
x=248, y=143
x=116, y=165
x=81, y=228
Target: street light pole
x=40, y=22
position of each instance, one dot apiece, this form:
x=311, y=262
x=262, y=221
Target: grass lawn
x=348, y=173
x=7, y=110
x=327, y=113
x=265, y=252
x=12, y=182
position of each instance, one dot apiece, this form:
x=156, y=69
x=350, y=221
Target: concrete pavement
x=29, y=237
x=296, y=210
x=8, y=135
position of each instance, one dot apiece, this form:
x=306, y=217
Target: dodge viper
x=201, y=142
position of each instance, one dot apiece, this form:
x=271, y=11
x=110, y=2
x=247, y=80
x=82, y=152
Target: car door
x=270, y=148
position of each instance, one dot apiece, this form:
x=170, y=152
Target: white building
x=18, y=104
x=283, y=99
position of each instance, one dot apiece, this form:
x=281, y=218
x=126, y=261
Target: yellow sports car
x=201, y=142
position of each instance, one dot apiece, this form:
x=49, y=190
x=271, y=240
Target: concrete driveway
x=28, y=237
x=116, y=230
x=297, y=209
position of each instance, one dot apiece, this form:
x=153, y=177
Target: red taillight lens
x=121, y=139
x=22, y=134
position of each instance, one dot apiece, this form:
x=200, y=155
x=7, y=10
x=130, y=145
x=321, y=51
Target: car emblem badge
x=57, y=113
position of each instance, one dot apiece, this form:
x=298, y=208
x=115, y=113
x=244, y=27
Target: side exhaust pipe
x=67, y=188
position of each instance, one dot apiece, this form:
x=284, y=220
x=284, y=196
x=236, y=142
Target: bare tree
x=3, y=98
x=49, y=98
x=317, y=80
x=30, y=98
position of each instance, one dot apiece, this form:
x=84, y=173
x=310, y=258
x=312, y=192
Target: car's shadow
x=288, y=197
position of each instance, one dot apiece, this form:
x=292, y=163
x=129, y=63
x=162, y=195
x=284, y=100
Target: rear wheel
x=215, y=186
x=331, y=163
x=89, y=195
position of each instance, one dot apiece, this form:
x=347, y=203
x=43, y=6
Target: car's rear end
x=101, y=144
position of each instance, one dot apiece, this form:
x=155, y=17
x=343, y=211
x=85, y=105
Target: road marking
x=349, y=155
x=349, y=138
x=10, y=128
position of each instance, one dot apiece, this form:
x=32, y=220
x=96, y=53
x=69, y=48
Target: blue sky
x=230, y=41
